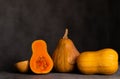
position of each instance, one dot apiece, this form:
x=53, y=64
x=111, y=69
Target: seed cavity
x=41, y=63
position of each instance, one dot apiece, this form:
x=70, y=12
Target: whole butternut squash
x=104, y=61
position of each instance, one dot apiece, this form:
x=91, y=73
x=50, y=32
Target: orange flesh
x=40, y=61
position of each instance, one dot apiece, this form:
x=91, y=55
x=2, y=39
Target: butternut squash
x=40, y=61
x=104, y=61
x=22, y=66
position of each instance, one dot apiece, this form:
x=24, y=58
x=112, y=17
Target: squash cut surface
x=40, y=62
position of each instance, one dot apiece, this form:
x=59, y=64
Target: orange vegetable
x=104, y=61
x=40, y=61
x=65, y=54
x=22, y=66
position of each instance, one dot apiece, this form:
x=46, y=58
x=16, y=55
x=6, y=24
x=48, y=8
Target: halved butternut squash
x=40, y=61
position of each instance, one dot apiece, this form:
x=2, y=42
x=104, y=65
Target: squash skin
x=65, y=54
x=104, y=61
x=64, y=59
x=40, y=61
x=22, y=66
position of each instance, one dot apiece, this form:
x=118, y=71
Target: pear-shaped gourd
x=65, y=54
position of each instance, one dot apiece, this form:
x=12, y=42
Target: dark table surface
x=11, y=75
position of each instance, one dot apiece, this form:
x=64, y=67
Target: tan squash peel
x=22, y=66
x=65, y=54
x=104, y=61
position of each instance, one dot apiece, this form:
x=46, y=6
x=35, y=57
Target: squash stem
x=66, y=34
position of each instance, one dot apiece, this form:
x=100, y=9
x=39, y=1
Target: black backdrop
x=92, y=24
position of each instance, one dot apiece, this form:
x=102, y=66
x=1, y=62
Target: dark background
x=92, y=24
